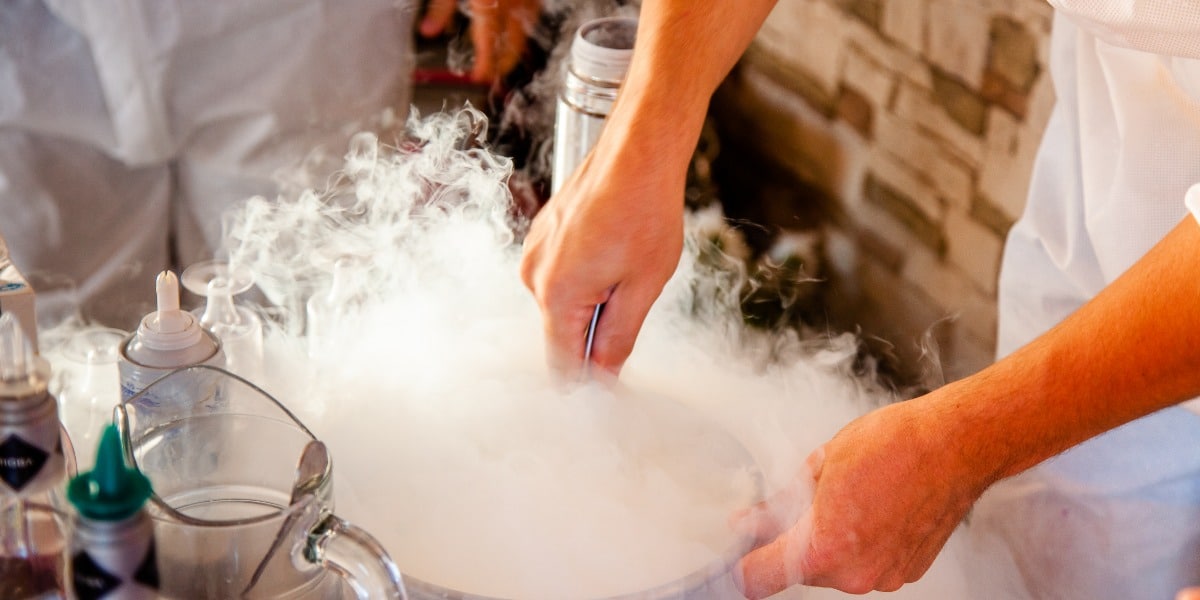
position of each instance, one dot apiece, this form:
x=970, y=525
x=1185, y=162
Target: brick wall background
x=912, y=126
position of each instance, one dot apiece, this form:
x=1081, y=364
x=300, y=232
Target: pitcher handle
x=359, y=558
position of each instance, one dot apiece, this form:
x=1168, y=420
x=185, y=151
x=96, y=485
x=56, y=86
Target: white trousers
x=127, y=128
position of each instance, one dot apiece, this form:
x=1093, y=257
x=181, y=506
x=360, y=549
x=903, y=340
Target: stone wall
x=913, y=123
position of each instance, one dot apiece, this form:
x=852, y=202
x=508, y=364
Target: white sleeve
x=1170, y=27
x=1192, y=200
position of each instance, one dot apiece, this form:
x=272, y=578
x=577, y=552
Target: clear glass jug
x=243, y=497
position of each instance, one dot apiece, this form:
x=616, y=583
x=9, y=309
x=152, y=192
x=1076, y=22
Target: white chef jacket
x=128, y=126
x=1118, y=516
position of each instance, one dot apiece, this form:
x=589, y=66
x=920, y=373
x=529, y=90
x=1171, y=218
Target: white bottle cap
x=168, y=328
x=603, y=48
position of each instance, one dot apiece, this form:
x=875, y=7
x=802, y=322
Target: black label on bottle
x=20, y=462
x=90, y=580
x=147, y=572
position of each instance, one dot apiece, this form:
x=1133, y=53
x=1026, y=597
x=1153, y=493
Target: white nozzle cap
x=15, y=354
x=603, y=48
x=22, y=373
x=169, y=328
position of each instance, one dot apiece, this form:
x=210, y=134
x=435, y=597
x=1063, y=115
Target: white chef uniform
x=128, y=126
x=1118, y=516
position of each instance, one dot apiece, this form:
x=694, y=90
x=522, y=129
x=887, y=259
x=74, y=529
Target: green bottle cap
x=111, y=491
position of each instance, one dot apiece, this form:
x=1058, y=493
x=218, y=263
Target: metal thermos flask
x=599, y=58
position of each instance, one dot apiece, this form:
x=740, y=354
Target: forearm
x=1131, y=350
x=683, y=51
x=613, y=233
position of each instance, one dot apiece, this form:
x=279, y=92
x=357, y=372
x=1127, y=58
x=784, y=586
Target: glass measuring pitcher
x=242, y=503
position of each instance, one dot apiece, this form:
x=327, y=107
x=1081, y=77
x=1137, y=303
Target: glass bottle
x=112, y=543
x=35, y=459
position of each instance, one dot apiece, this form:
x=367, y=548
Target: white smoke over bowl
x=423, y=368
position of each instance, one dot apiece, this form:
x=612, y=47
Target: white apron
x=1118, y=516
x=125, y=121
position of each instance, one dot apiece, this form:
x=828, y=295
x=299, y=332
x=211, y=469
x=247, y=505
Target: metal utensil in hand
x=589, y=340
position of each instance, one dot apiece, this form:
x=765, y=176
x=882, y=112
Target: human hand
x=613, y=235
x=499, y=29
x=1192, y=593
x=888, y=491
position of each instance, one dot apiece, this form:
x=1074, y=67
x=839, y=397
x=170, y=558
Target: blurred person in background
x=128, y=127
x=1080, y=462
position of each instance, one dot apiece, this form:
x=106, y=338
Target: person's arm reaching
x=891, y=487
x=614, y=233
x=499, y=29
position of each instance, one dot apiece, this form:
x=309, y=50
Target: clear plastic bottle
x=112, y=543
x=600, y=55
x=35, y=459
x=166, y=339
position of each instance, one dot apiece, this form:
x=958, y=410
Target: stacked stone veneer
x=916, y=123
